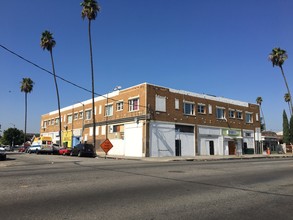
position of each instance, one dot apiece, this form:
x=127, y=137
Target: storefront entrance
x=232, y=148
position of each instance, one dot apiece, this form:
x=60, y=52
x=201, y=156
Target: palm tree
x=278, y=57
x=287, y=99
x=48, y=42
x=259, y=101
x=90, y=9
x=26, y=86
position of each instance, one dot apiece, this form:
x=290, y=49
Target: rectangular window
x=88, y=114
x=69, y=119
x=231, y=113
x=52, y=122
x=239, y=115
x=119, y=106
x=160, y=103
x=133, y=104
x=57, y=121
x=109, y=110
x=189, y=108
x=220, y=113
x=176, y=103
x=45, y=124
x=80, y=115
x=49, y=122
x=75, y=116
x=210, y=109
x=201, y=108
x=248, y=117
x=256, y=117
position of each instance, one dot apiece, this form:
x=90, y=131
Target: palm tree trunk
x=264, y=122
x=25, y=116
x=287, y=89
x=58, y=99
x=93, y=85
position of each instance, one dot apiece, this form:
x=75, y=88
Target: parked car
x=83, y=150
x=34, y=149
x=23, y=148
x=2, y=154
x=64, y=151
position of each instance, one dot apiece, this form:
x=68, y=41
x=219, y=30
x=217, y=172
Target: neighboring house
x=153, y=121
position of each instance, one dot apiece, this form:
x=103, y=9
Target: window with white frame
x=160, y=103
x=44, y=124
x=231, y=113
x=201, y=108
x=239, y=115
x=75, y=116
x=119, y=106
x=69, y=119
x=188, y=108
x=220, y=113
x=256, y=117
x=177, y=104
x=57, y=121
x=109, y=110
x=88, y=114
x=248, y=117
x=133, y=104
x=52, y=121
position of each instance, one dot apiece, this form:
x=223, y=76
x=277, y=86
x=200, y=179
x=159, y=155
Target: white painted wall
x=162, y=140
x=133, y=139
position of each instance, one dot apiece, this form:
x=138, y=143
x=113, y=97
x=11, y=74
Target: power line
x=59, y=77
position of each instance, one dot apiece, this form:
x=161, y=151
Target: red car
x=64, y=151
x=22, y=149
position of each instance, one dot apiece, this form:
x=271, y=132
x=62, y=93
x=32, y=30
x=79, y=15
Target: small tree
x=12, y=136
x=286, y=134
x=291, y=130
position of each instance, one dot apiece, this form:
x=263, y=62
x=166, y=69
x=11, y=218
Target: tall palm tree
x=259, y=101
x=26, y=86
x=48, y=42
x=278, y=57
x=287, y=99
x=90, y=9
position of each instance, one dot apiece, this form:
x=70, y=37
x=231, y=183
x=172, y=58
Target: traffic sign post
x=106, y=146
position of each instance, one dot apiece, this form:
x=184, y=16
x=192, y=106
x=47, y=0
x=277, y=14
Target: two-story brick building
x=153, y=121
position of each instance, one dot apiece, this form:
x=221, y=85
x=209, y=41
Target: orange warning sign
x=106, y=145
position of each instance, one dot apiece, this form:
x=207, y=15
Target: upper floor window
x=220, y=113
x=88, y=114
x=201, y=108
x=81, y=115
x=248, y=117
x=52, y=122
x=231, y=113
x=75, y=116
x=133, y=104
x=57, y=121
x=160, y=103
x=239, y=115
x=69, y=118
x=188, y=108
x=109, y=110
x=119, y=106
x=176, y=103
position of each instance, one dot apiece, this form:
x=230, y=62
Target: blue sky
x=213, y=47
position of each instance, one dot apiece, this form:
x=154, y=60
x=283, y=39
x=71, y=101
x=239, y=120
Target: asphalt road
x=58, y=187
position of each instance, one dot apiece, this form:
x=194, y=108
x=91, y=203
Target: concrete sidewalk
x=199, y=158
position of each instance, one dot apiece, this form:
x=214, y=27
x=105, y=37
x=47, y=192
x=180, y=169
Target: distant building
x=153, y=121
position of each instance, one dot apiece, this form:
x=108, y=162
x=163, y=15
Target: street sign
x=106, y=145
